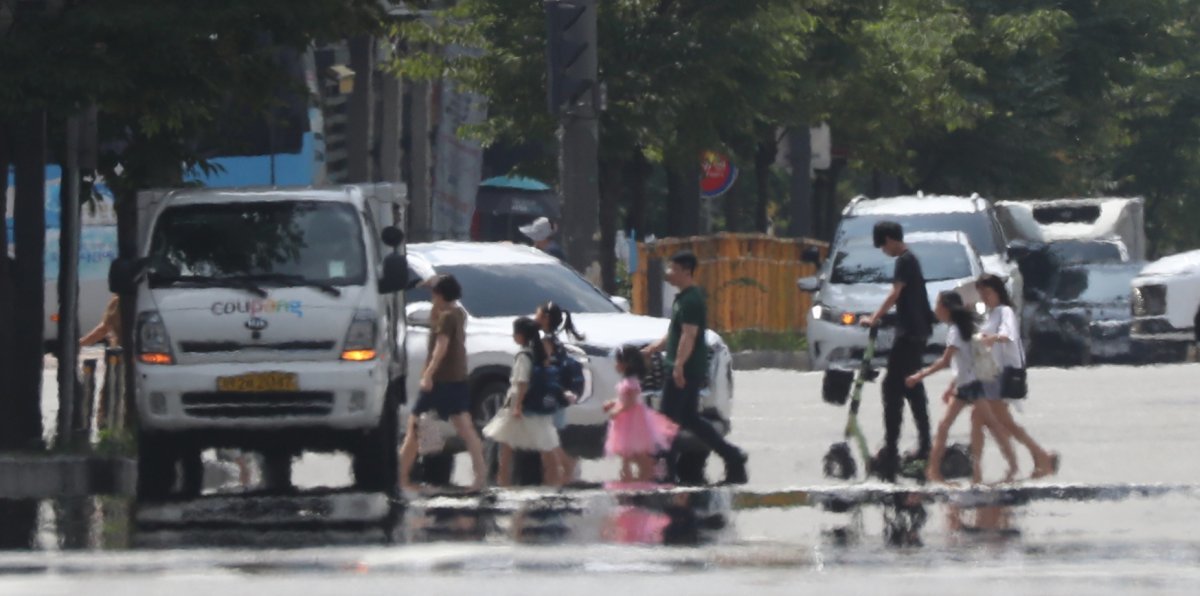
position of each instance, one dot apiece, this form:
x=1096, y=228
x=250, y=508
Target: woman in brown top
x=444, y=387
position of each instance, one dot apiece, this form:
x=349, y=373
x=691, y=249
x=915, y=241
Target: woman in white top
x=967, y=387
x=1003, y=335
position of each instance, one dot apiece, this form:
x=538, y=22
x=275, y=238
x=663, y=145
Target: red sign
x=717, y=174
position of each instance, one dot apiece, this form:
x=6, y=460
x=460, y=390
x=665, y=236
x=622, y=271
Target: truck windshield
x=284, y=243
x=864, y=264
x=977, y=226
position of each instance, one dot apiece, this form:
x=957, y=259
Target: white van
x=1166, y=301
x=267, y=320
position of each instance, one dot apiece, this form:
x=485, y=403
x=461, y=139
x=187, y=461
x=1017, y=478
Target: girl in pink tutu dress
x=635, y=432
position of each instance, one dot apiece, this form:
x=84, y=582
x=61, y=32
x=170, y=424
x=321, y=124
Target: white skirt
x=534, y=433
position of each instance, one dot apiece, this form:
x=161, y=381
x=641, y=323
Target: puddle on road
x=827, y=527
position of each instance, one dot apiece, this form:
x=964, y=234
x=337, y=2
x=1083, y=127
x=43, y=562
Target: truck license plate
x=259, y=382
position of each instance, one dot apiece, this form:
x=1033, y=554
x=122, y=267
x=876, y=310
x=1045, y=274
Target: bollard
x=108, y=416
x=85, y=407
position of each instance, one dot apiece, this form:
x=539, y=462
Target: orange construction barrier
x=749, y=279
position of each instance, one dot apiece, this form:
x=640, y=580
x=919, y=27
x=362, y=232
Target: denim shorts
x=970, y=392
x=447, y=399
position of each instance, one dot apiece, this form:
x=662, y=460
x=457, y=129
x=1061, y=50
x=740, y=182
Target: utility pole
x=68, y=285
x=572, y=93
x=800, y=148
x=358, y=113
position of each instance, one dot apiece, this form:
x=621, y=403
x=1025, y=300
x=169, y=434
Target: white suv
x=503, y=281
x=856, y=279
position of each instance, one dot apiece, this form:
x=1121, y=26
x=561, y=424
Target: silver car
x=856, y=279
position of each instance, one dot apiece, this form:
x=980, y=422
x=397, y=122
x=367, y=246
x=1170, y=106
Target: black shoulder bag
x=1013, y=382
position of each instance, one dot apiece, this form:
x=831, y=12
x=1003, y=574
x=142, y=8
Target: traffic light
x=570, y=51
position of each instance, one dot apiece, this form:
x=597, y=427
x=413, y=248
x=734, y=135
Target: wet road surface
x=1119, y=518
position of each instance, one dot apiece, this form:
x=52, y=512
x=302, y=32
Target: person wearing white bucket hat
x=540, y=231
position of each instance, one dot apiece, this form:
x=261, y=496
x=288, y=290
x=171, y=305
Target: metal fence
x=749, y=279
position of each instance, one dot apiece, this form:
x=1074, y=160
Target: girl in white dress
x=518, y=427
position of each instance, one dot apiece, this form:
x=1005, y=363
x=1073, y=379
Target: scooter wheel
x=839, y=462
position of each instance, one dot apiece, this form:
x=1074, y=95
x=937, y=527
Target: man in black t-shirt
x=914, y=324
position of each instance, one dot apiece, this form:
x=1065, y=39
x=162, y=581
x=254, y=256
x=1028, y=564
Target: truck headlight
x=153, y=343
x=361, y=337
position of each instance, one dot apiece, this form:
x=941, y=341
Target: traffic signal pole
x=572, y=93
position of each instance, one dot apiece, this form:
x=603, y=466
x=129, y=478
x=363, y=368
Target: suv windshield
x=864, y=264
x=276, y=243
x=516, y=290
x=1099, y=285
x=977, y=226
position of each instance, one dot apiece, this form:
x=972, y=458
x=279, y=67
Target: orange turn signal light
x=358, y=355
x=54, y=318
x=848, y=318
x=156, y=358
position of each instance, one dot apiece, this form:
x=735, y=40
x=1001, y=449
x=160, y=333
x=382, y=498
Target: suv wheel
x=376, y=462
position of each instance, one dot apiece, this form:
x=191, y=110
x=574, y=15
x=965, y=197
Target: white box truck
x=269, y=320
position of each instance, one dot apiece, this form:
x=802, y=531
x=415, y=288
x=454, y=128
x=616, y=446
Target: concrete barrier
x=36, y=476
x=766, y=359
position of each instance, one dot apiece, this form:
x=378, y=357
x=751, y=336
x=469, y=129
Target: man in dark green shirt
x=687, y=360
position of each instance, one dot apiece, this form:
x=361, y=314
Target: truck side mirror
x=123, y=276
x=392, y=236
x=395, y=273
x=811, y=254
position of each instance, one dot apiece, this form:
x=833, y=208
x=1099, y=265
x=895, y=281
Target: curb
x=767, y=359
x=53, y=476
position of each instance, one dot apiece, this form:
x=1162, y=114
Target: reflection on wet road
x=1110, y=518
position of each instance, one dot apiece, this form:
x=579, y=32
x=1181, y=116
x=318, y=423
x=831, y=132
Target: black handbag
x=1013, y=381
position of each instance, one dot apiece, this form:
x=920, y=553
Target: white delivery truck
x=267, y=320
x=1166, y=306
x=1111, y=229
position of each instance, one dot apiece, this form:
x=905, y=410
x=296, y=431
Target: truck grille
x=217, y=347
x=218, y=404
x=656, y=373
x=1150, y=301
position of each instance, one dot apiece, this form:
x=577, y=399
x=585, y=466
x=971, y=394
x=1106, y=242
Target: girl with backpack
x=972, y=367
x=554, y=320
x=636, y=433
x=1002, y=333
x=525, y=420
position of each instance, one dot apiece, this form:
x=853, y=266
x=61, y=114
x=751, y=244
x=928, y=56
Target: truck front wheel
x=156, y=473
x=376, y=463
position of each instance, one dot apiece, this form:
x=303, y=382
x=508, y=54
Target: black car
x=1085, y=316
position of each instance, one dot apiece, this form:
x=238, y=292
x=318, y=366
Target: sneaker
x=735, y=470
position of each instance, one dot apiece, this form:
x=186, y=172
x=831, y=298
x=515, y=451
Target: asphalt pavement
x=1119, y=517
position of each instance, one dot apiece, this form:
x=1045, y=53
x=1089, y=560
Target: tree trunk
x=683, y=197
x=23, y=392
x=764, y=156
x=610, y=198
x=637, y=174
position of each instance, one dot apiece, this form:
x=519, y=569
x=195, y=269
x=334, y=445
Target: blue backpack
x=570, y=373
x=542, y=396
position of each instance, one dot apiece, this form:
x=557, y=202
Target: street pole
x=68, y=286
x=800, y=148
x=573, y=96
